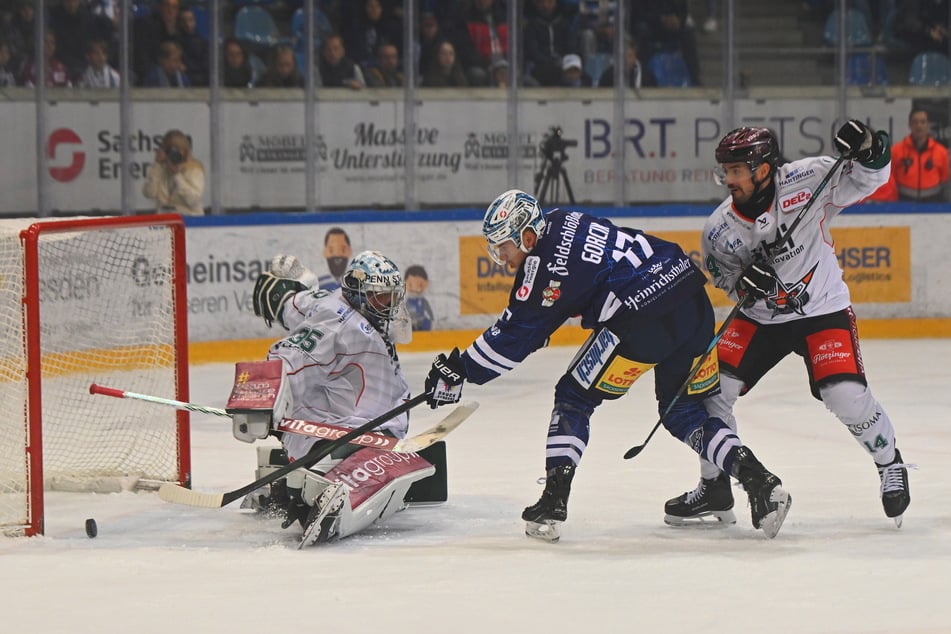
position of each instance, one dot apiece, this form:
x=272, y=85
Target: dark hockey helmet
x=374, y=286
x=749, y=145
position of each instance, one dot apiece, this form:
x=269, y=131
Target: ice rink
x=838, y=565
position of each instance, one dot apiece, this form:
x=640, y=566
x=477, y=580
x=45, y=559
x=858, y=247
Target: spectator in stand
x=176, y=180
x=637, y=75
x=169, y=72
x=488, y=39
x=572, y=75
x=547, y=39
x=499, y=74
x=923, y=24
x=75, y=26
x=19, y=34
x=194, y=49
x=98, y=73
x=430, y=37
x=7, y=76
x=56, y=74
x=387, y=72
x=447, y=71
x=282, y=72
x=663, y=26
x=236, y=71
x=710, y=25
x=596, y=26
x=368, y=30
x=919, y=165
x=336, y=69
x=149, y=32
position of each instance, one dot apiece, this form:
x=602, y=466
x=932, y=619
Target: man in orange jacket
x=919, y=165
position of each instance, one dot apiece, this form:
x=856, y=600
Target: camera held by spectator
x=176, y=180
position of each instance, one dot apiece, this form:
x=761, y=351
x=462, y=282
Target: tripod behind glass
x=550, y=178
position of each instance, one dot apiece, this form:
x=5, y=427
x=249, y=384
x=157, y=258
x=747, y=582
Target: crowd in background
x=360, y=43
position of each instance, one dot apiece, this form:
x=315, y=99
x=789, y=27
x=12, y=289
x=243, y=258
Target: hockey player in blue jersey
x=644, y=300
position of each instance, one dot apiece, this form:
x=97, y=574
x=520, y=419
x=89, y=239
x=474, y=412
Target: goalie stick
x=294, y=425
x=633, y=451
x=180, y=495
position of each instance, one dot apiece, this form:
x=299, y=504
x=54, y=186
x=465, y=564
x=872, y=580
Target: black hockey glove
x=855, y=140
x=270, y=293
x=444, y=382
x=758, y=281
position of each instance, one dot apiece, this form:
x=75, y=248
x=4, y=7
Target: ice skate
x=543, y=519
x=321, y=523
x=769, y=502
x=709, y=505
x=896, y=496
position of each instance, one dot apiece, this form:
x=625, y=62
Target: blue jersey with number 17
x=583, y=266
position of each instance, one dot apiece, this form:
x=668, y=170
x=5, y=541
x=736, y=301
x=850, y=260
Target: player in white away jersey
x=341, y=368
x=796, y=300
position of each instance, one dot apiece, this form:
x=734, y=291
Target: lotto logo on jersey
x=621, y=374
x=707, y=377
x=796, y=199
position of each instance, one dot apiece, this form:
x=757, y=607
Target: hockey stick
x=191, y=407
x=633, y=451
x=180, y=495
x=315, y=429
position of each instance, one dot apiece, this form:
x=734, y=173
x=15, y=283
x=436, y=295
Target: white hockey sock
x=863, y=416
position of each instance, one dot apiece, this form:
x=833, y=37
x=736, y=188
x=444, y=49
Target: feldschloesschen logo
x=64, y=137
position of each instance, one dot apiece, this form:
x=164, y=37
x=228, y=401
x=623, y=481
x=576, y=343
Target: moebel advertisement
x=460, y=154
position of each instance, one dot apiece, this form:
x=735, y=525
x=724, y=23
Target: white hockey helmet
x=374, y=286
x=509, y=214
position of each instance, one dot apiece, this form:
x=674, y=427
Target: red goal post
x=82, y=301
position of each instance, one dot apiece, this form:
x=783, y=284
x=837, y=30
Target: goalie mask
x=373, y=285
x=505, y=219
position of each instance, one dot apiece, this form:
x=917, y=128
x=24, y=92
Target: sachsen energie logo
x=64, y=173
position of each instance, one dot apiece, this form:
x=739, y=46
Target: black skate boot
x=543, y=517
x=709, y=505
x=895, y=493
x=769, y=502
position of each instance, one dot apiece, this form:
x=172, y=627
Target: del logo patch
x=551, y=293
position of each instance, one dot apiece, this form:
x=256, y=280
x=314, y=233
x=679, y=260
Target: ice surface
x=839, y=565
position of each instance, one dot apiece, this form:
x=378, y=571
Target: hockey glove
x=444, y=382
x=270, y=293
x=757, y=281
x=855, y=140
x=290, y=267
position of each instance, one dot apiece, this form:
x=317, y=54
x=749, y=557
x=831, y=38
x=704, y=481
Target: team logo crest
x=551, y=293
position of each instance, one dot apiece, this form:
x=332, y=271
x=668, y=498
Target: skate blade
x=898, y=520
x=312, y=531
x=771, y=524
x=710, y=519
x=547, y=530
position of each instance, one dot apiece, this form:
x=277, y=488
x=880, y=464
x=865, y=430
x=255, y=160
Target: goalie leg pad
x=378, y=482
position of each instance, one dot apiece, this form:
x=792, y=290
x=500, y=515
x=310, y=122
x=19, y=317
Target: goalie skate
x=547, y=530
x=321, y=523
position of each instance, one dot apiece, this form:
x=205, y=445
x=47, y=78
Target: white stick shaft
x=191, y=407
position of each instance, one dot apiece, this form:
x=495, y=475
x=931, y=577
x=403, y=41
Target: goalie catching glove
x=857, y=141
x=758, y=281
x=285, y=278
x=445, y=379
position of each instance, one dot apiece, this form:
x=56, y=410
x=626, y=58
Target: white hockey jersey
x=810, y=279
x=339, y=367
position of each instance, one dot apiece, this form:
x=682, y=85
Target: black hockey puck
x=91, y=529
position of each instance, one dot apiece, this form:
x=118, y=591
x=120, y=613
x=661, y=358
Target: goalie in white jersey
x=341, y=367
x=795, y=298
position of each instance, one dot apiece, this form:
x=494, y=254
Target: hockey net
x=82, y=301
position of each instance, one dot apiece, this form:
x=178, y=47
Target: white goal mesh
x=89, y=301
